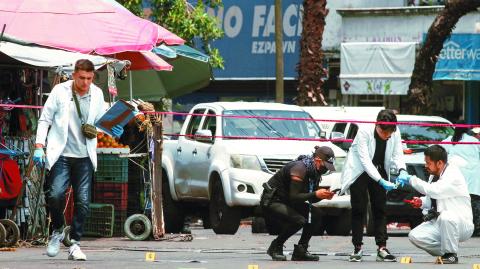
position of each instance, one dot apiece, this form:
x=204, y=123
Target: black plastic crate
x=100, y=220
x=111, y=168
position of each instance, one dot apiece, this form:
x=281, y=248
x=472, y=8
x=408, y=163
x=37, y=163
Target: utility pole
x=279, y=91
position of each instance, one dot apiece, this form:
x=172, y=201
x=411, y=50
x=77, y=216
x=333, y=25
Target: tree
x=420, y=88
x=310, y=68
x=192, y=24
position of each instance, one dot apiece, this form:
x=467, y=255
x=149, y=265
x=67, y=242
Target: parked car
x=219, y=162
x=397, y=210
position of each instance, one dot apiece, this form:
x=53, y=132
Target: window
x=352, y=132
x=194, y=123
x=210, y=122
x=259, y=124
x=339, y=127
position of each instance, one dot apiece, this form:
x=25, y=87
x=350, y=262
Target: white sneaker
x=53, y=246
x=75, y=253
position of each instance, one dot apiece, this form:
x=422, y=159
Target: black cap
x=327, y=155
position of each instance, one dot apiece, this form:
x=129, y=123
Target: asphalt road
x=208, y=250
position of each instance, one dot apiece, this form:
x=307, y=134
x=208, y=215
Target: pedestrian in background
x=446, y=207
x=66, y=128
x=287, y=197
x=467, y=158
x=375, y=149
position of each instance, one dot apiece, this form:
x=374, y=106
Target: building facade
x=249, y=52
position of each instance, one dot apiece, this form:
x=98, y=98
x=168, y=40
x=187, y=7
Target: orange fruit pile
x=106, y=141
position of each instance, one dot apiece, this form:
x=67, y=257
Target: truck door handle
x=194, y=152
x=179, y=149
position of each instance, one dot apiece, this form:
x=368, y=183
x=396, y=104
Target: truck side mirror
x=323, y=134
x=204, y=136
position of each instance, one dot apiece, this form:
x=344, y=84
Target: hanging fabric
x=10, y=180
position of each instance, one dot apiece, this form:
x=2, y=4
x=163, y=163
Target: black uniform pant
x=359, y=201
x=292, y=217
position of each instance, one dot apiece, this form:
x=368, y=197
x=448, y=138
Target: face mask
x=323, y=170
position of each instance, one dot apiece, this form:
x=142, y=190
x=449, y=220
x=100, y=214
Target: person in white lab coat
x=446, y=207
x=71, y=156
x=374, y=151
x=467, y=158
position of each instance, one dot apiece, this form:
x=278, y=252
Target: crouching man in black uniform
x=288, y=196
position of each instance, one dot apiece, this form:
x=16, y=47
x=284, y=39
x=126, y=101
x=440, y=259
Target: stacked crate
x=100, y=220
x=111, y=187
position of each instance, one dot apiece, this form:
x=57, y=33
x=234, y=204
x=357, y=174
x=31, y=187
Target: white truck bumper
x=245, y=186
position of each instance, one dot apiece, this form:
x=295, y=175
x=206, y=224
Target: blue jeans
x=75, y=171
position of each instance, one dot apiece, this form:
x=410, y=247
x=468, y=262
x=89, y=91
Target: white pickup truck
x=225, y=152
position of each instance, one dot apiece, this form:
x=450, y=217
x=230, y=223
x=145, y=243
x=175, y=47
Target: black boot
x=300, y=253
x=276, y=251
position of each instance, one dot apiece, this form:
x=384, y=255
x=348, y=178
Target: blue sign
x=248, y=46
x=459, y=58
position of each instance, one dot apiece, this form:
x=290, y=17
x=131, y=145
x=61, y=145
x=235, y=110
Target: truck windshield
x=413, y=132
x=270, y=128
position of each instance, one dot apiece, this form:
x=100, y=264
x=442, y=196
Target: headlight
x=245, y=162
x=339, y=163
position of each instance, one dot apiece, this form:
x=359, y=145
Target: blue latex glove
x=403, y=178
x=117, y=130
x=388, y=186
x=39, y=157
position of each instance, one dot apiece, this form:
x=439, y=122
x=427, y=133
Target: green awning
x=191, y=71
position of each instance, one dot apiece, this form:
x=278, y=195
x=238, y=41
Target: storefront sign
x=459, y=58
x=248, y=46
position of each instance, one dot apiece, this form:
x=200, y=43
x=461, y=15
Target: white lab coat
x=360, y=156
x=455, y=222
x=55, y=115
x=467, y=158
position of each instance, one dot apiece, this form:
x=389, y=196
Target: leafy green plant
x=191, y=23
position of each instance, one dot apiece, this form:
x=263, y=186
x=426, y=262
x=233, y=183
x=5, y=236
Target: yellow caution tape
x=255, y=266
x=476, y=266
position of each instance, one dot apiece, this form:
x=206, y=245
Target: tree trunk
x=420, y=88
x=310, y=68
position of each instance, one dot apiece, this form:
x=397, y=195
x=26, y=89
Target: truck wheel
x=137, y=227
x=258, y=225
x=12, y=232
x=274, y=227
x=318, y=222
x=172, y=212
x=207, y=224
x=224, y=219
x=415, y=221
x=341, y=224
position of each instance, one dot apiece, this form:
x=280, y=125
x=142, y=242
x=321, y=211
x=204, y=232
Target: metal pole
x=279, y=91
x=131, y=85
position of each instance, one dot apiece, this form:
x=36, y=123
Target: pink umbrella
x=86, y=26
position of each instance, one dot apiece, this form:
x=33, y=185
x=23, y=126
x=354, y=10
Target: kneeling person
x=446, y=207
x=287, y=197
